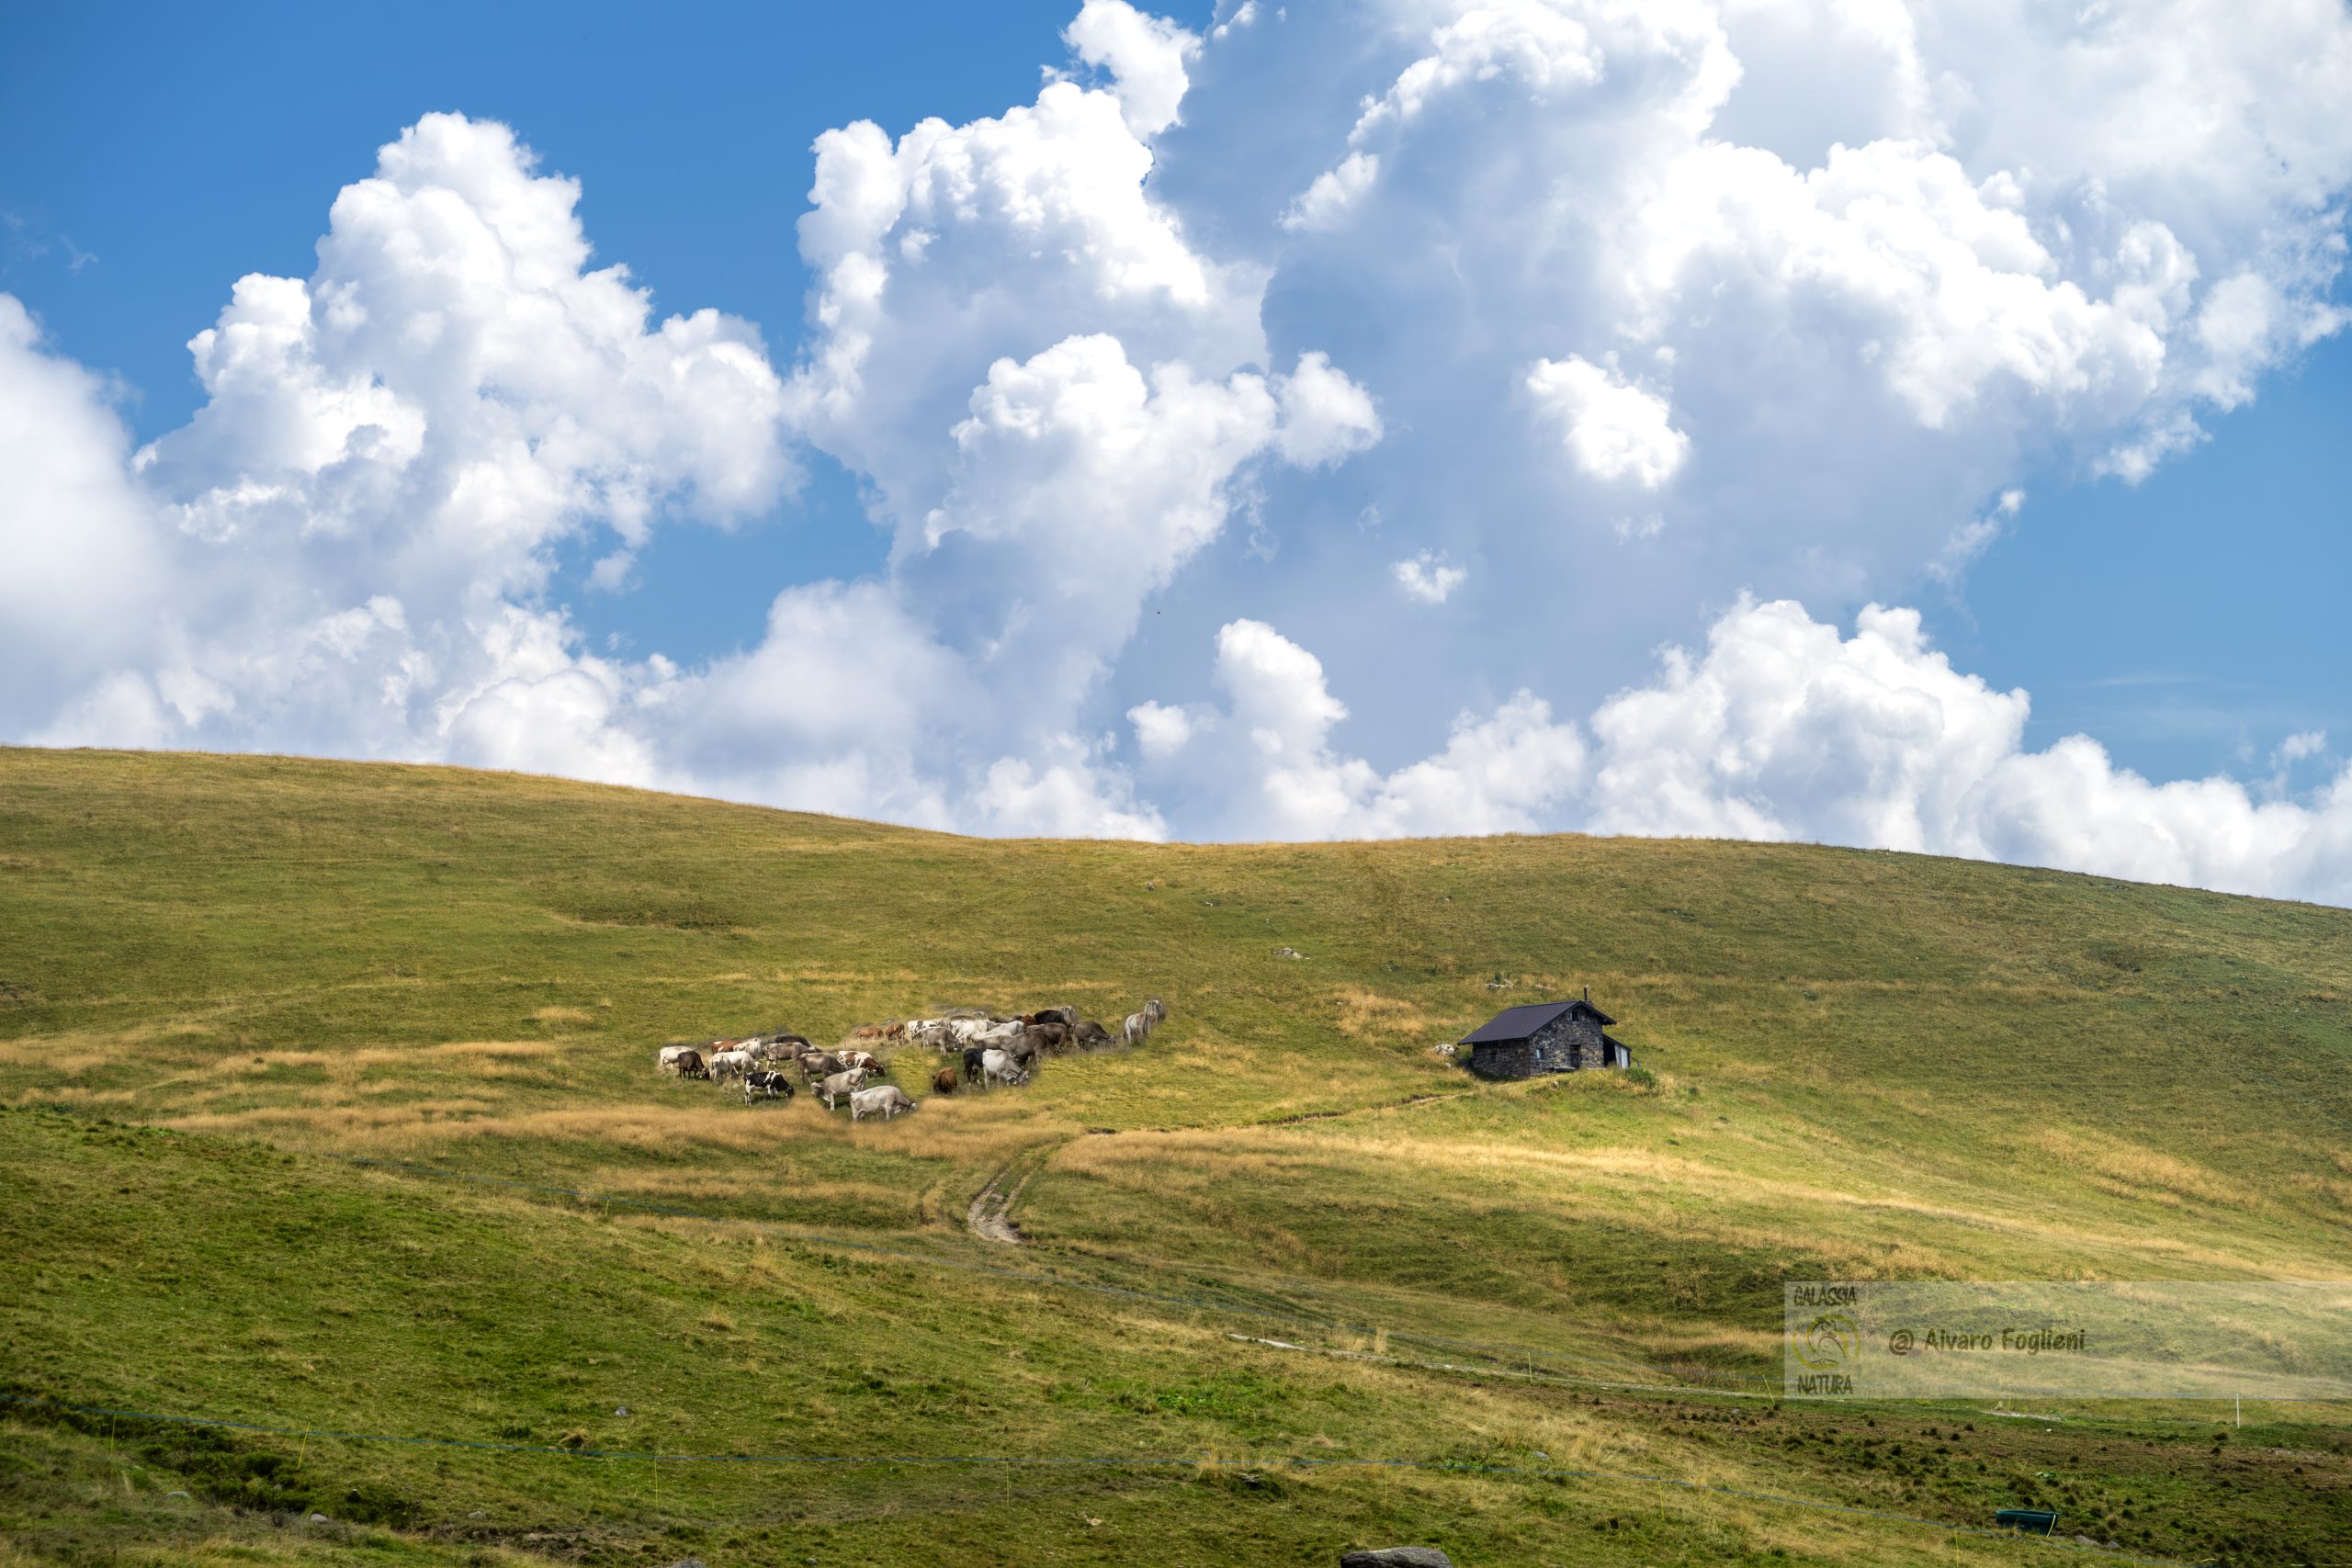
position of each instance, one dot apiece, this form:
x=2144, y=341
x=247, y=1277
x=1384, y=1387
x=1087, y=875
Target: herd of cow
x=991, y=1049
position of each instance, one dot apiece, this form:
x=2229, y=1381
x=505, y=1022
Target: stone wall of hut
x=1567, y=1044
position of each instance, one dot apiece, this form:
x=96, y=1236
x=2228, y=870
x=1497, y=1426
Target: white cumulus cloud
x=1614, y=431
x=1145, y=54
x=1272, y=742
x=1638, y=308
x=1427, y=579
x=1325, y=204
x=1784, y=728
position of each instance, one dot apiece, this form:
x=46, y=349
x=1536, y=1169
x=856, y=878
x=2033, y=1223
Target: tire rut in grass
x=990, y=1217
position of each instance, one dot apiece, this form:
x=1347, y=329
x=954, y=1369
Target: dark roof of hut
x=1519, y=1022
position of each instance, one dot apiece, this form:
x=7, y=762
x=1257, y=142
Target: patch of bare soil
x=990, y=1217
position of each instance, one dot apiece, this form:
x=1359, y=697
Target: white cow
x=885, y=1100
x=725, y=1065
x=671, y=1055
x=841, y=1087
x=998, y=1066
x=1138, y=1028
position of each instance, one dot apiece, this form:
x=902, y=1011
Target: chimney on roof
x=1587, y=993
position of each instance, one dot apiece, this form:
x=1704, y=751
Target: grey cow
x=841, y=1086
x=885, y=1100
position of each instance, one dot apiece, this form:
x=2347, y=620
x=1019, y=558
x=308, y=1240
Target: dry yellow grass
x=2134, y=1170
x=1367, y=1015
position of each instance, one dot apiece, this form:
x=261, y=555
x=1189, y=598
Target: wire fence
x=1675, y=1381
x=1506, y=1358
x=1108, y=1461
x=1508, y=1354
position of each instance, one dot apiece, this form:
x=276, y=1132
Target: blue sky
x=1474, y=404
x=2194, y=619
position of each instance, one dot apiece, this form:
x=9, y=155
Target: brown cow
x=943, y=1080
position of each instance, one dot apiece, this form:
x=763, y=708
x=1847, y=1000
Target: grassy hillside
x=1865, y=1064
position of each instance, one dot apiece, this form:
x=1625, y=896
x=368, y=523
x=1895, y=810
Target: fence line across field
x=1516, y=1359
x=1100, y=1462
x=1699, y=1377
x=1767, y=1388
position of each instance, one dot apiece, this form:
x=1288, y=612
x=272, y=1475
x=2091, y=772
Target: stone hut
x=1543, y=1037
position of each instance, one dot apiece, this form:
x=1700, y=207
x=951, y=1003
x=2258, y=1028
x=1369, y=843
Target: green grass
x=218, y=976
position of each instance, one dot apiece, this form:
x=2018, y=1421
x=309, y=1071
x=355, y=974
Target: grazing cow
x=865, y=1059
x=885, y=1100
x=725, y=1065
x=841, y=1086
x=815, y=1064
x=1091, y=1033
x=972, y=1055
x=1000, y=1035
x=1053, y=1036
x=998, y=1066
x=1063, y=1015
x=687, y=1064
x=967, y=1029
x=1023, y=1053
x=760, y=1081
x=894, y=1032
x=772, y=1051
x=671, y=1055
x=943, y=1081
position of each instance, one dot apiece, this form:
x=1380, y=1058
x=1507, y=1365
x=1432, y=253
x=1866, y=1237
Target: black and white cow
x=759, y=1082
